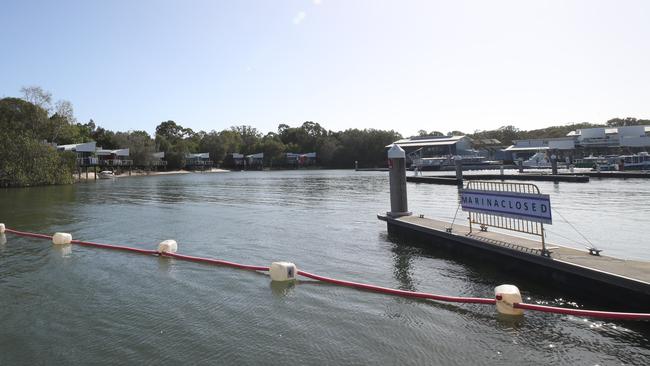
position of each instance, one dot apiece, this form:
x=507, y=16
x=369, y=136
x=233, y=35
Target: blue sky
x=403, y=65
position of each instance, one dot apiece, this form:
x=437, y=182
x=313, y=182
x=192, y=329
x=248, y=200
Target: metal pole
x=397, y=178
x=459, y=170
x=554, y=164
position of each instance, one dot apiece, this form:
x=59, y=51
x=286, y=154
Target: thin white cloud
x=299, y=18
x=318, y=2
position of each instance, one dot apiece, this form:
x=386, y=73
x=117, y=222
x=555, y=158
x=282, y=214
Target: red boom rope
x=363, y=286
x=390, y=291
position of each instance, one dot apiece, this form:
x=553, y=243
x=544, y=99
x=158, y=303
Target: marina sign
x=525, y=206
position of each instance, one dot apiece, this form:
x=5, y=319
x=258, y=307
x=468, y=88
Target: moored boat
x=106, y=174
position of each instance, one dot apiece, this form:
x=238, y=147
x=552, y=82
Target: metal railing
x=115, y=162
x=513, y=224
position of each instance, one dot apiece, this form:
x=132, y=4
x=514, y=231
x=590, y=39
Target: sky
x=401, y=65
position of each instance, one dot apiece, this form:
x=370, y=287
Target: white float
x=283, y=271
x=2, y=228
x=61, y=238
x=167, y=246
x=509, y=295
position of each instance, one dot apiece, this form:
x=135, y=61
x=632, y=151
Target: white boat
x=106, y=174
x=538, y=160
x=640, y=161
x=448, y=162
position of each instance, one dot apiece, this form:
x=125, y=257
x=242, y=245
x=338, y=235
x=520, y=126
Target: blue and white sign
x=525, y=206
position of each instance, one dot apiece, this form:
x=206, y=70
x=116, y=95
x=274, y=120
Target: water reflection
x=402, y=258
x=282, y=289
x=65, y=251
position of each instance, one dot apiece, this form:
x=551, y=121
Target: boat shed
x=425, y=146
x=524, y=149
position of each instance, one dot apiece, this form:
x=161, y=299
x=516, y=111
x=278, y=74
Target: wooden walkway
x=636, y=270
x=609, y=280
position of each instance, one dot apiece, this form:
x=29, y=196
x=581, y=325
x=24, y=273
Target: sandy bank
x=139, y=173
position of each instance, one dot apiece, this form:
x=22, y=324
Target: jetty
x=614, y=282
x=442, y=179
x=616, y=174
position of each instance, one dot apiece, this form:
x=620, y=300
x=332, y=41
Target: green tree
x=141, y=146
x=25, y=160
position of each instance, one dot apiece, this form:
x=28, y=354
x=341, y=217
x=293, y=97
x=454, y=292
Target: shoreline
x=91, y=175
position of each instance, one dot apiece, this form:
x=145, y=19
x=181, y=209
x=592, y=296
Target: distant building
x=300, y=159
x=85, y=152
x=524, y=149
x=626, y=136
x=117, y=157
x=198, y=161
x=435, y=146
x=586, y=141
x=255, y=161
x=158, y=160
x=234, y=161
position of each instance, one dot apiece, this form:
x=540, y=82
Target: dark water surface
x=84, y=306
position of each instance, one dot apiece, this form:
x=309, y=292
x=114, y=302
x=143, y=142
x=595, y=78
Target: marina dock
x=612, y=281
x=451, y=180
x=496, y=209
x=616, y=174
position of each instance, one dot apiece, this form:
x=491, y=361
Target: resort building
x=85, y=152
x=198, y=161
x=118, y=157
x=255, y=161
x=234, y=161
x=300, y=159
x=158, y=160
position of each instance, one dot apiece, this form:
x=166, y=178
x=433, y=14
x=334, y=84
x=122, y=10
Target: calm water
x=90, y=306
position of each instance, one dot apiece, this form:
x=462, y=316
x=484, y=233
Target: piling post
x=397, y=178
x=459, y=170
x=356, y=165
x=520, y=163
x=554, y=164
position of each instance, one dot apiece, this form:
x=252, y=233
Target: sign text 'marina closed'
x=525, y=206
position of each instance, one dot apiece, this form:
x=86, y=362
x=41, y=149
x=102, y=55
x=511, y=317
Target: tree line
x=30, y=125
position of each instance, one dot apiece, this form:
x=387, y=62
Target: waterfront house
x=234, y=161
x=85, y=153
x=158, y=160
x=255, y=161
x=300, y=159
x=113, y=158
x=198, y=161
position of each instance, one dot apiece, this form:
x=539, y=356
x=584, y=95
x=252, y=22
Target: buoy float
x=167, y=246
x=61, y=238
x=507, y=296
x=283, y=271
